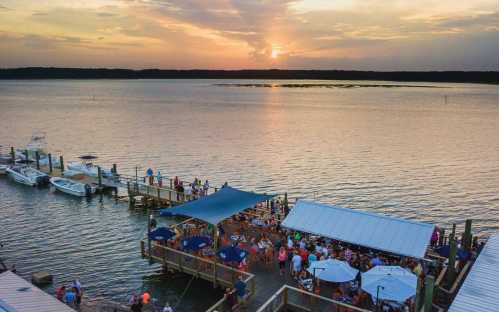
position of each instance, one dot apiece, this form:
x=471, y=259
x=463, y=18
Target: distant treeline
x=491, y=77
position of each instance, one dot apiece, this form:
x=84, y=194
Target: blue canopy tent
x=218, y=206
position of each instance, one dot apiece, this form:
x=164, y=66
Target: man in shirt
x=295, y=264
x=70, y=297
x=240, y=287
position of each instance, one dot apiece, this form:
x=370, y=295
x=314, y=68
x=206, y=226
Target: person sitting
x=60, y=292
x=70, y=297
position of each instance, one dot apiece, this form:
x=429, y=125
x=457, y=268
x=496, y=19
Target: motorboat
x=27, y=175
x=3, y=169
x=88, y=169
x=72, y=187
x=37, y=144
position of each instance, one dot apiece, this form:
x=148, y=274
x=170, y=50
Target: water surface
x=429, y=154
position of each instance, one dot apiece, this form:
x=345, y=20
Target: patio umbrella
x=389, y=283
x=196, y=243
x=444, y=251
x=161, y=233
x=332, y=270
x=232, y=254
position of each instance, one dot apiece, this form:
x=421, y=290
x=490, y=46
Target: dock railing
x=299, y=300
x=137, y=187
x=210, y=270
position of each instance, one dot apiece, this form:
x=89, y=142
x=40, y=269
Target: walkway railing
x=300, y=300
x=217, y=273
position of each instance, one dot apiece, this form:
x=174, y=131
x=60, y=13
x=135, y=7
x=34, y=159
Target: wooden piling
x=26, y=153
x=453, y=233
x=50, y=162
x=99, y=176
x=467, y=236
x=441, y=237
x=13, y=155
x=61, y=160
x=115, y=169
x=428, y=293
x=37, y=157
x=418, y=302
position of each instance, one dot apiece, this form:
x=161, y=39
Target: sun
x=275, y=53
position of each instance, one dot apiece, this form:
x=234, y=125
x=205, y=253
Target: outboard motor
x=88, y=190
x=42, y=180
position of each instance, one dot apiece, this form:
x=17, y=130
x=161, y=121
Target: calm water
x=402, y=151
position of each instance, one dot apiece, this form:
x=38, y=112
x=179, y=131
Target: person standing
x=160, y=179
x=295, y=264
x=282, y=257
x=240, y=287
x=150, y=175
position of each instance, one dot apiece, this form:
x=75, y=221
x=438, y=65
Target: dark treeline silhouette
x=491, y=77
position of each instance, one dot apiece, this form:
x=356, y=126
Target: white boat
x=72, y=187
x=3, y=169
x=44, y=158
x=38, y=144
x=88, y=169
x=27, y=175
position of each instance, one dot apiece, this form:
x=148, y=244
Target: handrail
x=306, y=293
x=249, y=277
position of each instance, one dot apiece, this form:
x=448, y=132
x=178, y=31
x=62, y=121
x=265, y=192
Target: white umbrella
x=332, y=270
x=389, y=283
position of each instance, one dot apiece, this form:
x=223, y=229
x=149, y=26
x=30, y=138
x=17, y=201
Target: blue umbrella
x=332, y=270
x=196, y=243
x=444, y=251
x=389, y=283
x=232, y=254
x=161, y=233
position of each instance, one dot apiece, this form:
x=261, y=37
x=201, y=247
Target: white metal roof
x=480, y=290
x=398, y=236
x=22, y=296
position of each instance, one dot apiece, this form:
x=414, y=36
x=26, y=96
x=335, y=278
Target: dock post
x=37, y=156
x=441, y=237
x=453, y=233
x=26, y=153
x=149, y=221
x=61, y=160
x=99, y=176
x=451, y=266
x=428, y=293
x=467, y=236
x=115, y=169
x=418, y=302
x=50, y=162
x=13, y=155
x=171, y=184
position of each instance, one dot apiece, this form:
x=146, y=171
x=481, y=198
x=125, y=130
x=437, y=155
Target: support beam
x=99, y=176
x=61, y=160
x=37, y=157
x=50, y=163
x=13, y=155
x=467, y=237
x=429, y=288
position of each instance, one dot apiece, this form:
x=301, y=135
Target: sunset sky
x=233, y=34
